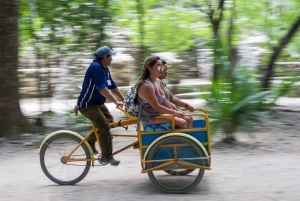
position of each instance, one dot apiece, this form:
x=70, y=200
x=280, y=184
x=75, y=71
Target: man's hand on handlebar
x=119, y=103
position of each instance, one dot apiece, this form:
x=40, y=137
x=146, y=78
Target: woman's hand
x=179, y=114
x=189, y=107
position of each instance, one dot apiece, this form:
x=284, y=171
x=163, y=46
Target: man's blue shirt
x=96, y=77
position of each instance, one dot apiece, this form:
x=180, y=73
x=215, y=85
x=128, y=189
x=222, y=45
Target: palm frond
x=250, y=100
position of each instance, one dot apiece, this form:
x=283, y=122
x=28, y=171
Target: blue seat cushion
x=158, y=127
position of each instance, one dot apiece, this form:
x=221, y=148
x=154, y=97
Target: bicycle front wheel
x=52, y=159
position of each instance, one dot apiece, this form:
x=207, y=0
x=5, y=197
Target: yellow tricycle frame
x=133, y=120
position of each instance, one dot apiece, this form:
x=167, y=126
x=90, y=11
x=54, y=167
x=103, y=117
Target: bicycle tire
x=166, y=182
x=179, y=173
x=53, y=165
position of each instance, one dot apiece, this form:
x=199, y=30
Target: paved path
x=242, y=174
x=265, y=167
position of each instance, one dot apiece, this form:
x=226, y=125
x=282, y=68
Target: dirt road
x=254, y=170
x=265, y=167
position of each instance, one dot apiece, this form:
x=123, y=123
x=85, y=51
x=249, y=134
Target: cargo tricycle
x=174, y=159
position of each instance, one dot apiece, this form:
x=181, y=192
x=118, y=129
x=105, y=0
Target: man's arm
x=117, y=92
x=180, y=103
x=109, y=96
x=173, y=106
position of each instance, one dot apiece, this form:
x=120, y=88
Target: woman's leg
x=189, y=121
x=181, y=123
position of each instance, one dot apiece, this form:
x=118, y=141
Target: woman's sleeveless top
x=148, y=114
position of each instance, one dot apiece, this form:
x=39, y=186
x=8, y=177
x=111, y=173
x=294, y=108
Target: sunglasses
x=160, y=67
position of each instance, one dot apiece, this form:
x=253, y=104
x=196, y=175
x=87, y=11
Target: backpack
x=131, y=102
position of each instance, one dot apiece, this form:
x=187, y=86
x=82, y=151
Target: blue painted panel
x=199, y=123
x=201, y=136
x=147, y=139
x=168, y=153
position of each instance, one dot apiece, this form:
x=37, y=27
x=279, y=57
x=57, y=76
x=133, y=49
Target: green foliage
x=167, y=27
x=67, y=119
x=76, y=24
x=237, y=102
x=275, y=18
x=174, y=30
x=285, y=86
x=186, y=89
x=71, y=120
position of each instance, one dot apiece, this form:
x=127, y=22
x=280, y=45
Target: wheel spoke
x=184, y=149
x=54, y=165
x=50, y=145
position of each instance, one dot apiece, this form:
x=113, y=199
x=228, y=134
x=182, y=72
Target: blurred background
x=238, y=56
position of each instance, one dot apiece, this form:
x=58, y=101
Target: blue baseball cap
x=102, y=51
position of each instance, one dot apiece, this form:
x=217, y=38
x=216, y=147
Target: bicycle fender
x=71, y=133
x=177, y=134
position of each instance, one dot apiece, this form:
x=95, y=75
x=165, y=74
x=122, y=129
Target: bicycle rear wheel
x=54, y=165
x=179, y=172
x=181, y=149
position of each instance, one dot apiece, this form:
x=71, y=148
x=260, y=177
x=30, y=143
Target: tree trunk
x=276, y=53
x=232, y=49
x=141, y=13
x=12, y=121
x=215, y=21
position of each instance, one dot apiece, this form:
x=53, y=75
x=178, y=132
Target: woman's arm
x=174, y=106
x=175, y=100
x=180, y=103
x=147, y=91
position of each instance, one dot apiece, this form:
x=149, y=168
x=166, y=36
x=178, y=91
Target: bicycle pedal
x=102, y=163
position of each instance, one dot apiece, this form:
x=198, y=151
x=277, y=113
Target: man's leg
x=107, y=113
x=109, y=117
x=98, y=119
x=86, y=112
x=104, y=134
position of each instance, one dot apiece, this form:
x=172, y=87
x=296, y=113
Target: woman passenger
x=149, y=88
x=174, y=101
